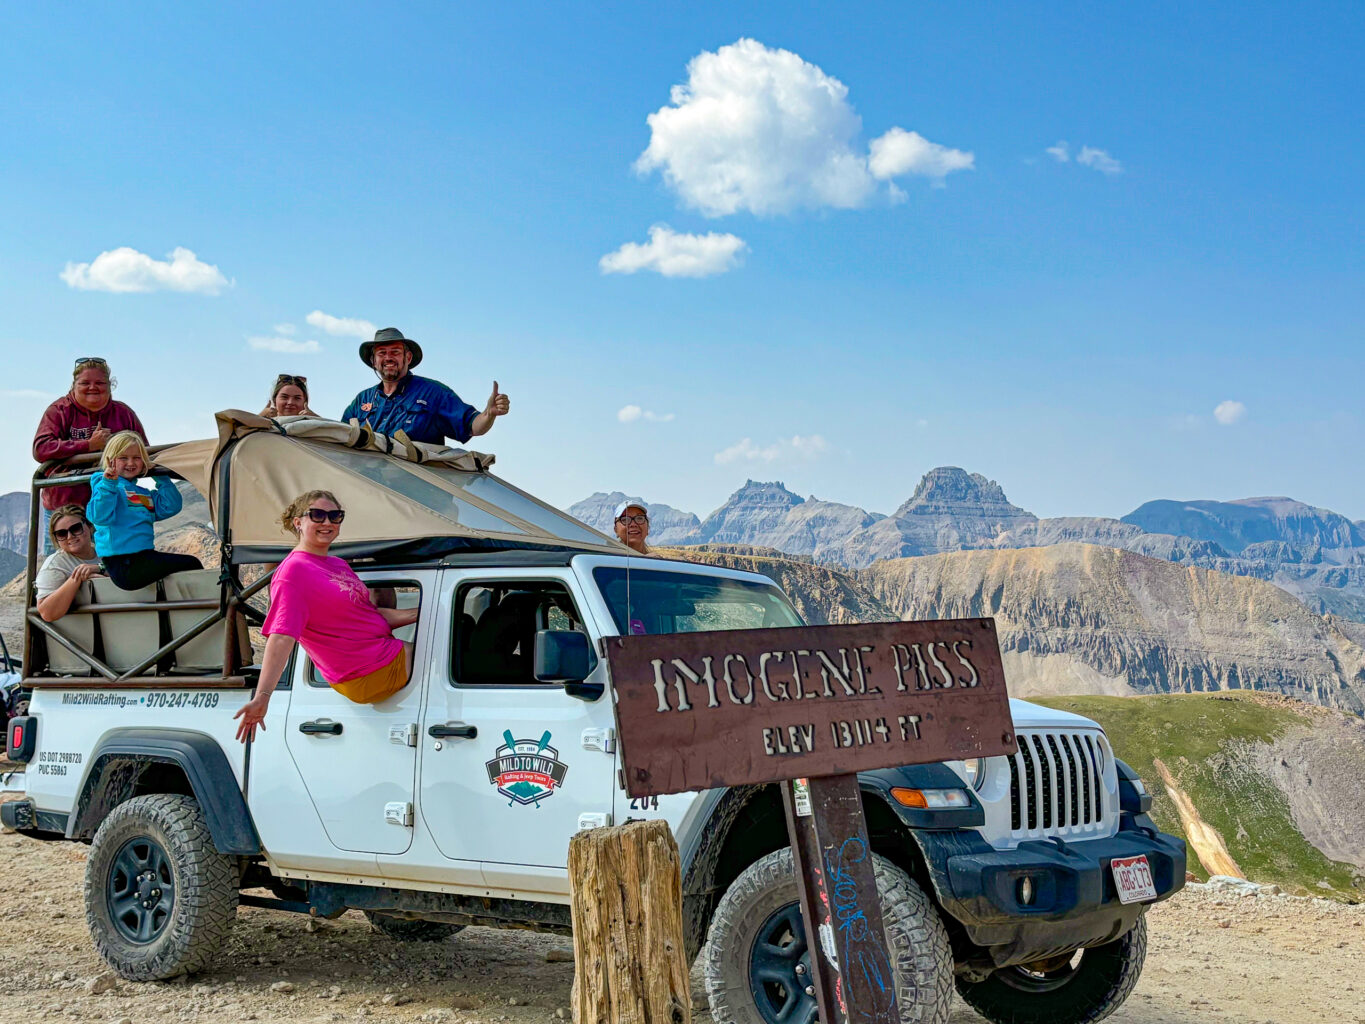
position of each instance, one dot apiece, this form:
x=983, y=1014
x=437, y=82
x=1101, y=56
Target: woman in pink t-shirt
x=317, y=600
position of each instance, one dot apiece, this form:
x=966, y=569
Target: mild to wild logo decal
x=526, y=771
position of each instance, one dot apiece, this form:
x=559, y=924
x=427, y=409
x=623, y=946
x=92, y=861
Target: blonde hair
x=299, y=507
x=94, y=363
x=119, y=444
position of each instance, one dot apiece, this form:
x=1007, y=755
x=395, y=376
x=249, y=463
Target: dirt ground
x=1212, y=957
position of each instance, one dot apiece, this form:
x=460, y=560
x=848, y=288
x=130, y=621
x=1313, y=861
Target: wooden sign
x=702, y=710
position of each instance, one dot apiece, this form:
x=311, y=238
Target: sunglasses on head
x=289, y=378
x=74, y=530
x=326, y=515
x=91, y=359
x=638, y=520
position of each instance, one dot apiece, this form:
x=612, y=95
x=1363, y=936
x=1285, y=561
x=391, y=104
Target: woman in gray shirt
x=73, y=562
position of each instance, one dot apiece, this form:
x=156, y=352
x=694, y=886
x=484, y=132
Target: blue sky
x=961, y=296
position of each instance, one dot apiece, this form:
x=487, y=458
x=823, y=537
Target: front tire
x=757, y=962
x=159, y=898
x=407, y=930
x=1077, y=991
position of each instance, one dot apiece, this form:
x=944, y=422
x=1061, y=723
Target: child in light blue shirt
x=124, y=514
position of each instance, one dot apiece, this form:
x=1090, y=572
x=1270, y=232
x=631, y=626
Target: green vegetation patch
x=1204, y=741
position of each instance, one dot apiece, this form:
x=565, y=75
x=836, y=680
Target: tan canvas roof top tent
x=402, y=499
x=404, y=502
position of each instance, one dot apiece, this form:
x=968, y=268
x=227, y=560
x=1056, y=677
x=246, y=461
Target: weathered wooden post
x=810, y=707
x=627, y=926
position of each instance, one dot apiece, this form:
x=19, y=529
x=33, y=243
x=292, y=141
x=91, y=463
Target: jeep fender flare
x=122, y=757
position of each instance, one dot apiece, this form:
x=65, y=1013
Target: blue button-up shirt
x=424, y=409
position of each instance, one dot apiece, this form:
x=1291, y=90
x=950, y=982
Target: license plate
x=1133, y=879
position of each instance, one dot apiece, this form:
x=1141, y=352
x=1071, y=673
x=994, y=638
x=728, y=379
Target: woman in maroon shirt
x=81, y=421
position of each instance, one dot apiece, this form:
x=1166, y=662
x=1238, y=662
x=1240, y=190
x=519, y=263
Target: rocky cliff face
x=667, y=525
x=1080, y=618
x=951, y=509
x=1234, y=525
x=14, y=521
x=749, y=515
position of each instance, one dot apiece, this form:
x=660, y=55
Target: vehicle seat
x=80, y=630
x=129, y=637
x=501, y=644
x=205, y=652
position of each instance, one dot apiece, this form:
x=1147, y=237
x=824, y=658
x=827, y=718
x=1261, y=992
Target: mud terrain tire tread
x=406, y=930
x=205, y=888
x=1091, y=995
x=916, y=940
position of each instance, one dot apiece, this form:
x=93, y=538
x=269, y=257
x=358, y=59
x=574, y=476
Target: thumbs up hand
x=498, y=403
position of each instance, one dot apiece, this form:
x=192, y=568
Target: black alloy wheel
x=140, y=892
x=780, y=969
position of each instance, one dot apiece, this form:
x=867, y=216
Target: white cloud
x=631, y=413
x=286, y=329
x=127, y=270
x=787, y=449
x=676, y=255
x=288, y=346
x=762, y=130
x=1060, y=152
x=1098, y=159
x=341, y=326
x=900, y=152
x=1229, y=412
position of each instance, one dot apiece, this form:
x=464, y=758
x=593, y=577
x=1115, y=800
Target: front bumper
x=1075, y=902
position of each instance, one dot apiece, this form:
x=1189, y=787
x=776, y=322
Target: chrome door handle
x=456, y=730
x=321, y=728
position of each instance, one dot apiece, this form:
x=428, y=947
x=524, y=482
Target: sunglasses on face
x=326, y=515
x=637, y=520
x=73, y=531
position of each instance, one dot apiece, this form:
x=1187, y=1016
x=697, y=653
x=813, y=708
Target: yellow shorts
x=380, y=683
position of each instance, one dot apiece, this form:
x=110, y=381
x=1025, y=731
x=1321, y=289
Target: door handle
x=321, y=728
x=456, y=730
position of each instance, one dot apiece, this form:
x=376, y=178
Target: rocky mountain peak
x=755, y=508
x=949, y=489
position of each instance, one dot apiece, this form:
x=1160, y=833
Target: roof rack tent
x=402, y=498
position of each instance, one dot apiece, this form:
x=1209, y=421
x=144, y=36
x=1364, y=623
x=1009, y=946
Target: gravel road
x=1213, y=956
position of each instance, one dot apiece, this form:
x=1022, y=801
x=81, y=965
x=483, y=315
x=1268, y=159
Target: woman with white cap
x=632, y=526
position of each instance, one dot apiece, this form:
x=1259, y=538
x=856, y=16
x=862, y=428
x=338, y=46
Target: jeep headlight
x=975, y=770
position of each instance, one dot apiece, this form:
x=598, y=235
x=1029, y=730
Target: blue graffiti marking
x=862, y=951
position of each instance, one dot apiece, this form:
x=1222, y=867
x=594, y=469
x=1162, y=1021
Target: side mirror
x=561, y=656
x=564, y=656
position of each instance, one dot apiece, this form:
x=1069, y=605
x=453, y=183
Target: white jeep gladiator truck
x=1019, y=881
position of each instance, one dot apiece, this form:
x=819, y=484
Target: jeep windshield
x=657, y=601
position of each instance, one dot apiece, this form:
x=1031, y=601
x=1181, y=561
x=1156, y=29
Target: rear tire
x=757, y=932
x=1085, y=990
x=406, y=930
x=159, y=897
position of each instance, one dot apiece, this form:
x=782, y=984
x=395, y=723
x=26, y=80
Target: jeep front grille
x=1057, y=783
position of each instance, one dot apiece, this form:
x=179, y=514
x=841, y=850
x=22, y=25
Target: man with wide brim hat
x=424, y=409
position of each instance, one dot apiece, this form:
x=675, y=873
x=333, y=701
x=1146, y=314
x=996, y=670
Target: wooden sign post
x=810, y=707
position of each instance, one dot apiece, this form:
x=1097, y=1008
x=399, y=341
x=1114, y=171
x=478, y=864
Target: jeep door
x=510, y=767
x=358, y=761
